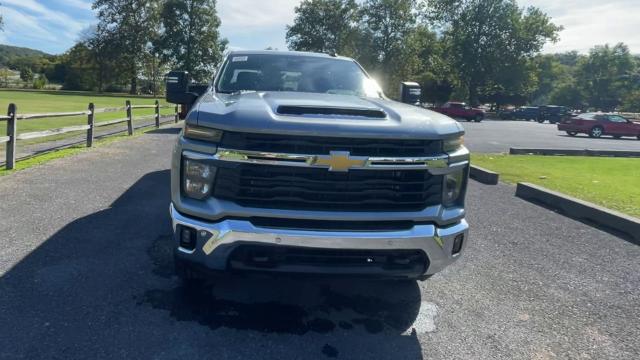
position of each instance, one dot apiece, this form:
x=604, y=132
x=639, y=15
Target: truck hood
x=296, y=113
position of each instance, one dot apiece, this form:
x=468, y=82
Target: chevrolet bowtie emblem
x=340, y=161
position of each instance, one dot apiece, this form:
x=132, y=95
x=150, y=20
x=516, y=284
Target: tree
x=569, y=94
x=489, y=37
x=631, y=102
x=130, y=26
x=4, y=77
x=386, y=24
x=327, y=26
x=422, y=60
x=605, y=75
x=191, y=39
x=153, y=71
x=550, y=71
x=105, y=56
x=80, y=68
x=26, y=74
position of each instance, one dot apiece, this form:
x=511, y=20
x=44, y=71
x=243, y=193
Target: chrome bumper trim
x=436, y=242
x=335, y=161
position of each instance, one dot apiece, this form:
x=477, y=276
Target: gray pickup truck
x=297, y=162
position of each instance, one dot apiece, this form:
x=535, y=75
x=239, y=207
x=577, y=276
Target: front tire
x=572, y=133
x=478, y=118
x=541, y=121
x=596, y=132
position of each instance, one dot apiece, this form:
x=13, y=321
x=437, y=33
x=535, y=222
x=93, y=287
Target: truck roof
x=288, y=53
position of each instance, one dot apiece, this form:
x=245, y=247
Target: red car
x=597, y=124
x=461, y=110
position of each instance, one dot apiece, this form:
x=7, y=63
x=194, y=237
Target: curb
x=484, y=176
x=574, y=152
x=582, y=210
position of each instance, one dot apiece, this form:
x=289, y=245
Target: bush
x=26, y=74
x=40, y=82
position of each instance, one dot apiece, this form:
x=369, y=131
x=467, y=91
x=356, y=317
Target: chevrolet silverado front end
x=296, y=162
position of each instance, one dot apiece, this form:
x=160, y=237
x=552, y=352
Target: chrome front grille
x=301, y=188
x=324, y=145
x=329, y=174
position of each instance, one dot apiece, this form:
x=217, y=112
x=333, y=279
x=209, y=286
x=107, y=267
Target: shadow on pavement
x=103, y=287
x=166, y=130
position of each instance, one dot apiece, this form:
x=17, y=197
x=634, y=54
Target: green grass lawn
x=29, y=102
x=50, y=101
x=611, y=182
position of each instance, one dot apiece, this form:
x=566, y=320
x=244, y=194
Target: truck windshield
x=264, y=72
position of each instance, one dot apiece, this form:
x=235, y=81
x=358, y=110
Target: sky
x=54, y=26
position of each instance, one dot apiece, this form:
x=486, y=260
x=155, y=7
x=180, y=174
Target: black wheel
x=478, y=118
x=596, y=132
x=572, y=133
x=638, y=137
x=541, y=121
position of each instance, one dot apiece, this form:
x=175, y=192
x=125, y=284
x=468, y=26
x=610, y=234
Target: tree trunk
x=473, y=94
x=134, y=85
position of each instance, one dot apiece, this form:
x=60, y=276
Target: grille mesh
x=323, y=145
x=299, y=188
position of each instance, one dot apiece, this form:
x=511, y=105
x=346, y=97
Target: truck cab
x=297, y=162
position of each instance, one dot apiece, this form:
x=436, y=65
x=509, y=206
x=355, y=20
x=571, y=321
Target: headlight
x=197, y=178
x=453, y=187
x=202, y=133
x=451, y=145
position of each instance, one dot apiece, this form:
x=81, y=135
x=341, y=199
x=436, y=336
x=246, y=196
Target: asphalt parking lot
x=495, y=136
x=85, y=272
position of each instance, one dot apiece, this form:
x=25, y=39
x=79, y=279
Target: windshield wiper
x=237, y=92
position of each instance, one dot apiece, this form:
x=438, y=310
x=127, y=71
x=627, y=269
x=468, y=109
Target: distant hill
x=8, y=53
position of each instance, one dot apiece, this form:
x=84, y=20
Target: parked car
x=461, y=110
x=527, y=113
x=597, y=124
x=316, y=173
x=505, y=113
x=521, y=113
x=553, y=113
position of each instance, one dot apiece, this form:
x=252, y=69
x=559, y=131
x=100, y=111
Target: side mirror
x=177, y=83
x=410, y=93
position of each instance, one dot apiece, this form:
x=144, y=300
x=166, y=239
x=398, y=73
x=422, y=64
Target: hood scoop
x=331, y=111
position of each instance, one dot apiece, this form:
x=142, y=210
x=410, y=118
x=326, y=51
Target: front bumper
x=569, y=127
x=216, y=241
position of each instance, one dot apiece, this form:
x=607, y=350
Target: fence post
x=12, y=125
x=129, y=117
x=176, y=111
x=90, y=119
x=157, y=113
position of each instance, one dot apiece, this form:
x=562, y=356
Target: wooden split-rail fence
x=13, y=118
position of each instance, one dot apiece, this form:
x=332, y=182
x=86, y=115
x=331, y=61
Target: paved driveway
x=493, y=136
x=85, y=273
